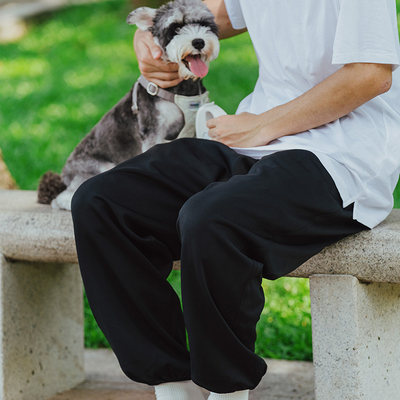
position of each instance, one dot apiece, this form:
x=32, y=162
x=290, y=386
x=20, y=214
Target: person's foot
x=181, y=390
x=239, y=395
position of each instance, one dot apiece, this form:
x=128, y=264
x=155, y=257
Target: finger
x=141, y=42
x=211, y=123
x=156, y=51
x=165, y=84
x=172, y=67
x=151, y=45
x=162, y=76
x=150, y=65
x=212, y=133
x=222, y=119
x=149, y=53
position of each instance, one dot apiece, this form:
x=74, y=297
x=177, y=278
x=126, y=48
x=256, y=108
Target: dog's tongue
x=197, y=66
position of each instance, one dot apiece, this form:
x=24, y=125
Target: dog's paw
x=54, y=204
x=62, y=201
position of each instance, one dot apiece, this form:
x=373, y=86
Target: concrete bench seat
x=355, y=307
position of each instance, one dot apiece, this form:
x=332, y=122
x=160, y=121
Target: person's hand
x=242, y=130
x=152, y=67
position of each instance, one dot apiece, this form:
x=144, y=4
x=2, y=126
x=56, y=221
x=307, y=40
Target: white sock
x=181, y=390
x=239, y=395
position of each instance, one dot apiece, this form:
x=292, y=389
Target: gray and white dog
x=187, y=34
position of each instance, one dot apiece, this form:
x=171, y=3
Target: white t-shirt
x=298, y=44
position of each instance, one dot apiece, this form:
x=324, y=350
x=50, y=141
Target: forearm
x=217, y=7
x=334, y=97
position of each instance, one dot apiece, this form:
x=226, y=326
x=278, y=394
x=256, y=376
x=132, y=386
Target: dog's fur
x=122, y=134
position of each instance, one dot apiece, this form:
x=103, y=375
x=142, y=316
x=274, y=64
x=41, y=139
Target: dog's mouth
x=196, y=65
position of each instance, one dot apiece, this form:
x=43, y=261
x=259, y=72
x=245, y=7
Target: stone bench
x=355, y=306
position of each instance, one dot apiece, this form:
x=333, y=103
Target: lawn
x=57, y=82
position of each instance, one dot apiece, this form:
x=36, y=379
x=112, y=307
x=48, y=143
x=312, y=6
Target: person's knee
x=197, y=220
x=179, y=151
x=187, y=218
x=83, y=198
x=176, y=147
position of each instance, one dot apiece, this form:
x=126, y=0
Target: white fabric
x=299, y=44
x=180, y=390
x=239, y=395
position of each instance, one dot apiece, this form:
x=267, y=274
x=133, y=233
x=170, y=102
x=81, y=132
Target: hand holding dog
x=242, y=130
x=152, y=67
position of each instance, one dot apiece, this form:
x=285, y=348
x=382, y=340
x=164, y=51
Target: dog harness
x=189, y=105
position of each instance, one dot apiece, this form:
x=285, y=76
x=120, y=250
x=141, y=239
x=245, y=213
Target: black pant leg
x=265, y=223
x=126, y=239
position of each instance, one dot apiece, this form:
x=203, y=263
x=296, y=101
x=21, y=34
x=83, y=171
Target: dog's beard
x=193, y=63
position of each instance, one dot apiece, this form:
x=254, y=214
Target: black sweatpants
x=231, y=220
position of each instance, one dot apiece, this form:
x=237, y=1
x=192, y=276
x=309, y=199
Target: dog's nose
x=198, y=43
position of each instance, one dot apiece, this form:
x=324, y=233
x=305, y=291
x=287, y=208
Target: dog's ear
x=142, y=17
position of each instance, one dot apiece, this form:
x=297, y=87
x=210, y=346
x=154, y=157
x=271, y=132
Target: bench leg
x=41, y=329
x=356, y=346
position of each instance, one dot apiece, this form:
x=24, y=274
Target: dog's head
x=186, y=32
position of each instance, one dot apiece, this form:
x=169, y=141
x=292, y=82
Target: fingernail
x=156, y=53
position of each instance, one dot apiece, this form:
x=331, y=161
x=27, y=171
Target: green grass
x=71, y=68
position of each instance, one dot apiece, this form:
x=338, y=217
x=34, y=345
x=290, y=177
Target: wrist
x=275, y=122
x=268, y=126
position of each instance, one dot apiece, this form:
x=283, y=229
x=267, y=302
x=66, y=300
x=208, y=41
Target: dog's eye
x=171, y=31
x=175, y=28
x=199, y=22
x=207, y=24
